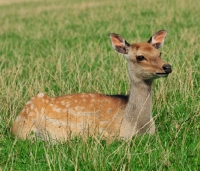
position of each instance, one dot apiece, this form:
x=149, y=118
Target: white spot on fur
x=63, y=103
x=27, y=110
x=31, y=114
x=32, y=106
x=79, y=108
x=40, y=95
x=58, y=110
x=36, y=111
x=17, y=118
x=67, y=104
x=65, y=110
x=93, y=100
x=83, y=95
x=29, y=102
x=23, y=110
x=42, y=110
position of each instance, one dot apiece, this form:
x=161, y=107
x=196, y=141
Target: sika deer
x=108, y=115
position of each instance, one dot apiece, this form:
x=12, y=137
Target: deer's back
x=61, y=117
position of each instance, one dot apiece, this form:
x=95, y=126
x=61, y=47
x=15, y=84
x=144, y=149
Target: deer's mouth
x=162, y=74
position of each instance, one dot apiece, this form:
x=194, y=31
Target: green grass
x=62, y=47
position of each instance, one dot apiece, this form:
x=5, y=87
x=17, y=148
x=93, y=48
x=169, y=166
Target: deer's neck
x=139, y=98
x=138, y=109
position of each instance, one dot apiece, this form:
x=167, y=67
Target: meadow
x=62, y=47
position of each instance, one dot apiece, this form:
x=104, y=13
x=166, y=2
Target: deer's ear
x=119, y=43
x=158, y=38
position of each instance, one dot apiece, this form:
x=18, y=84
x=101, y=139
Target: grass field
x=62, y=47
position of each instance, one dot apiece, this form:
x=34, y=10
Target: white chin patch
x=161, y=74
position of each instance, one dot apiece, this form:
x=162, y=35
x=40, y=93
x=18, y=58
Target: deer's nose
x=167, y=68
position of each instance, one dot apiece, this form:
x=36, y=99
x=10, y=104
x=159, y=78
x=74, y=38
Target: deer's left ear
x=158, y=38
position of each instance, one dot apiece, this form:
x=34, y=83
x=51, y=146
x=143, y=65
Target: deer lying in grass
x=107, y=115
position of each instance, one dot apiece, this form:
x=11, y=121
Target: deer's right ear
x=119, y=43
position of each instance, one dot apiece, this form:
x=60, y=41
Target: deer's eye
x=140, y=58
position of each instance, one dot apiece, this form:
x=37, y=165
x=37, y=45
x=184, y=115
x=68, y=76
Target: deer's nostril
x=167, y=68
